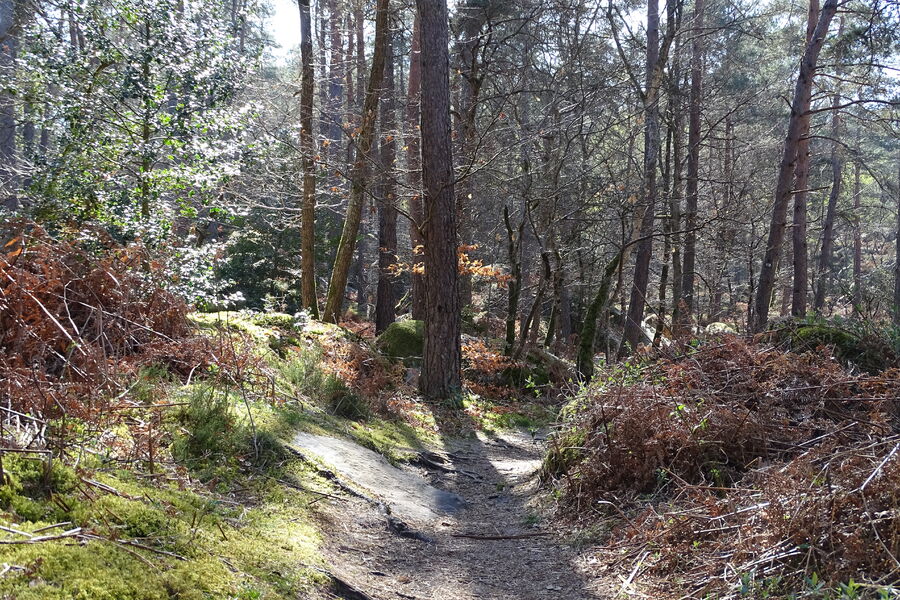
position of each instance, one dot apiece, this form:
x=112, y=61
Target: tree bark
x=308, y=149
x=823, y=268
x=688, y=301
x=335, y=77
x=634, y=332
x=800, y=289
x=387, y=211
x=514, y=286
x=897, y=257
x=441, y=377
x=414, y=166
x=675, y=199
x=360, y=174
x=470, y=79
x=9, y=180
x=802, y=93
x=857, y=243
x=585, y=361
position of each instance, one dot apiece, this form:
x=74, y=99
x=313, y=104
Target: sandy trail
x=482, y=489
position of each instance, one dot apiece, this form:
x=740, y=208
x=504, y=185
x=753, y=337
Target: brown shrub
x=774, y=464
x=69, y=313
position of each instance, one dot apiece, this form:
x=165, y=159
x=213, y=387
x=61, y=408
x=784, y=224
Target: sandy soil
x=496, y=479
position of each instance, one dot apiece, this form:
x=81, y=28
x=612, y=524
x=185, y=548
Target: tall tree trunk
x=531, y=324
x=634, y=332
x=897, y=257
x=322, y=37
x=387, y=211
x=146, y=164
x=675, y=199
x=514, y=286
x=730, y=234
x=335, y=77
x=308, y=150
x=802, y=93
x=28, y=149
x=667, y=241
x=786, y=279
x=356, y=61
x=441, y=376
x=823, y=268
x=9, y=180
x=688, y=300
x=471, y=16
x=857, y=243
x=800, y=289
x=585, y=361
x=414, y=166
x=360, y=174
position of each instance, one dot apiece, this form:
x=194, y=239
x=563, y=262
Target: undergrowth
x=735, y=460
x=149, y=443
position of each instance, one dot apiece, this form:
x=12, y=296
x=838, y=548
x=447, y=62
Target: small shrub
x=564, y=452
x=210, y=424
x=346, y=404
x=303, y=372
x=135, y=518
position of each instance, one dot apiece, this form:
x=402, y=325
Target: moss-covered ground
x=185, y=490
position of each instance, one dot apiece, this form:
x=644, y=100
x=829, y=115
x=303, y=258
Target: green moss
x=257, y=550
x=30, y=483
x=397, y=442
x=868, y=352
x=403, y=340
x=102, y=571
x=273, y=319
x=488, y=415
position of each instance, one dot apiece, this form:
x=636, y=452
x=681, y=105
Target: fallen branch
x=518, y=536
x=342, y=587
x=301, y=488
x=45, y=538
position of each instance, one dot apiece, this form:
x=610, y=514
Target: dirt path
x=496, y=479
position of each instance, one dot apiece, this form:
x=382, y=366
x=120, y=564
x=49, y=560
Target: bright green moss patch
x=260, y=548
x=103, y=571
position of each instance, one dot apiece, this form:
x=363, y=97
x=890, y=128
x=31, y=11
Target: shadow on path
x=509, y=555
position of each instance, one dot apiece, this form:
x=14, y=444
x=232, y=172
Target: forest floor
x=497, y=546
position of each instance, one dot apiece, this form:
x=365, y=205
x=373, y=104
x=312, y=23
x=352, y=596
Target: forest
x=449, y=299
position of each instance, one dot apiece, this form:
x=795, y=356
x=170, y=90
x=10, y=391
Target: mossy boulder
x=869, y=353
x=403, y=340
x=854, y=344
x=539, y=369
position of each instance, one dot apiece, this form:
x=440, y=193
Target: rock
x=719, y=328
x=403, y=340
